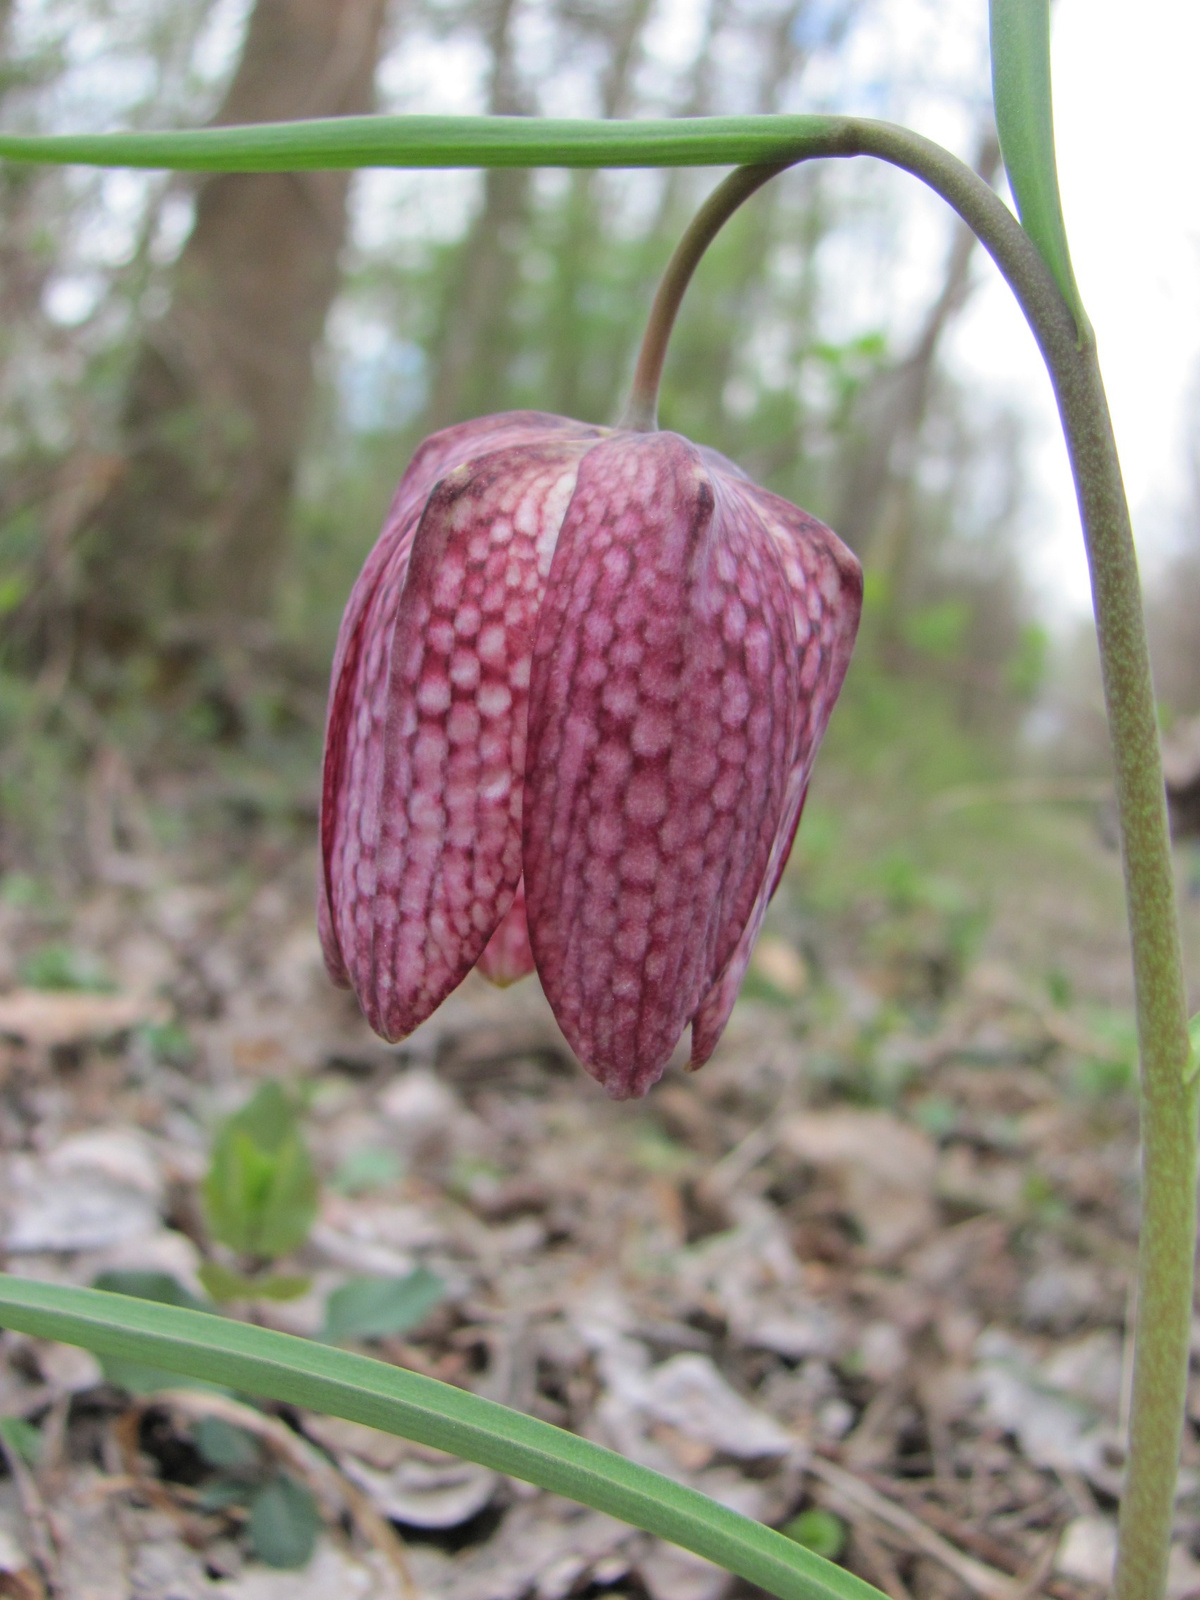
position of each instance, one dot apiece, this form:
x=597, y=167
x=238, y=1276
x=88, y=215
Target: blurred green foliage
x=62, y=966
x=818, y=1530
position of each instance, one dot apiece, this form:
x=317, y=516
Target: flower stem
x=641, y=412
x=1168, y=1101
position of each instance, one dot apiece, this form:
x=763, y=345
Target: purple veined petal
x=711, y=1018
x=418, y=889
x=353, y=769
x=825, y=581
x=507, y=956
x=663, y=712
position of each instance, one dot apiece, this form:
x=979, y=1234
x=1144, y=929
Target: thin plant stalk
x=1168, y=1096
x=641, y=412
x=1168, y=1091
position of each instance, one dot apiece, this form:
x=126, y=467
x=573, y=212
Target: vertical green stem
x=1168, y=1103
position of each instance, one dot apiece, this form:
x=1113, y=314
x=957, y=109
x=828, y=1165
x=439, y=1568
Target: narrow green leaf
x=284, y=1523
x=1020, y=37
x=373, y=1308
x=138, y=1377
x=417, y=141
x=344, y=1384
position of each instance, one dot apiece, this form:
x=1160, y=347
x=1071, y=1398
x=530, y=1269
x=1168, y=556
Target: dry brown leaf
x=884, y=1167
x=49, y=1018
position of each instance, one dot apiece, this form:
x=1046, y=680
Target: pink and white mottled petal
x=715, y=1009
x=438, y=867
x=353, y=772
x=827, y=588
x=825, y=581
x=662, y=716
x=507, y=956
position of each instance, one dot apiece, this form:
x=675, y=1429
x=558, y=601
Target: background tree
x=190, y=537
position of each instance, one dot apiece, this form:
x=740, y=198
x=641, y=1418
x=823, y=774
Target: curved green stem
x=1168, y=1101
x=1168, y=1096
x=641, y=413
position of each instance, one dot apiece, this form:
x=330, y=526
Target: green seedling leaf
x=269, y=1117
x=169, y=1042
x=221, y=1493
x=224, y=1284
x=374, y=1308
x=1020, y=40
x=342, y=1383
x=284, y=1523
x=22, y=1438
x=226, y=1447
x=290, y=1202
x=818, y=1531
x=281, y=1286
x=261, y=1190
x=164, y=1289
x=370, y=1167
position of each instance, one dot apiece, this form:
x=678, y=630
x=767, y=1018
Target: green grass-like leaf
x=1020, y=39
x=342, y=1384
x=423, y=141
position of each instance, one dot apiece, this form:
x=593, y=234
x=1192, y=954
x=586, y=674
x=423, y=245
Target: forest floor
x=873, y=1262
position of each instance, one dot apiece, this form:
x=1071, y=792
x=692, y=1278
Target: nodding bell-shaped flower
x=576, y=697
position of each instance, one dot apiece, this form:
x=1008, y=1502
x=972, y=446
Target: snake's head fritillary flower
x=576, y=698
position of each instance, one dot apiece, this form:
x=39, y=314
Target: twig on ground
x=43, y=1544
x=855, y=1498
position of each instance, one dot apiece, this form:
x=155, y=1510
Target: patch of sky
x=436, y=77
x=71, y=299
x=175, y=218
x=389, y=208
x=220, y=39
x=381, y=380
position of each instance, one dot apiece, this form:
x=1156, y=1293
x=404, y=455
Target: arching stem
x=641, y=412
x=1168, y=1103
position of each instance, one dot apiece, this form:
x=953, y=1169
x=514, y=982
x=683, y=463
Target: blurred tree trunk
x=191, y=536
x=478, y=338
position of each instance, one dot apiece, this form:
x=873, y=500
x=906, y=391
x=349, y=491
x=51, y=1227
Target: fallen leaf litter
x=750, y=1282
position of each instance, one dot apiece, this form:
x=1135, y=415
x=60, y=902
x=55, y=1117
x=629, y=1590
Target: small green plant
x=61, y=966
x=819, y=1531
x=260, y=1198
x=282, y=1519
